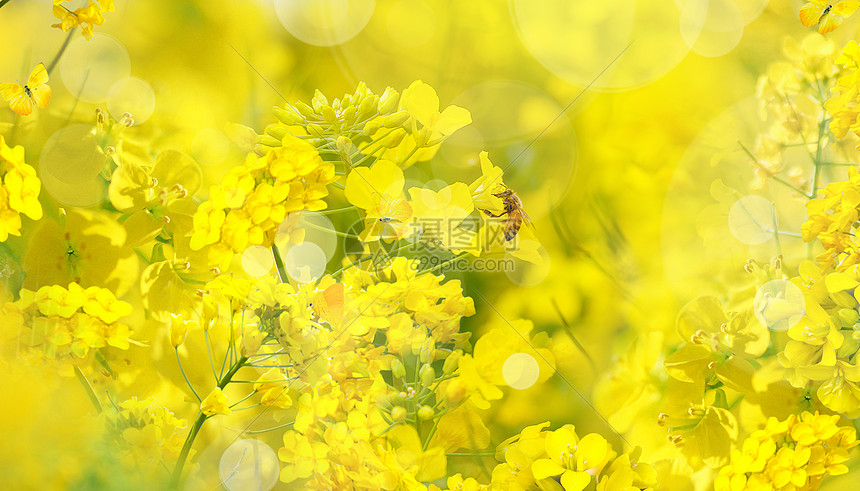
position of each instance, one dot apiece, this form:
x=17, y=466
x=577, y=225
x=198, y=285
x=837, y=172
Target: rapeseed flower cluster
x=318, y=295
x=86, y=17
x=19, y=193
x=793, y=454
x=253, y=199
x=146, y=435
x=64, y=326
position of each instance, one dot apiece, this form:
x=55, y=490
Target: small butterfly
x=393, y=213
x=825, y=14
x=328, y=304
x=21, y=99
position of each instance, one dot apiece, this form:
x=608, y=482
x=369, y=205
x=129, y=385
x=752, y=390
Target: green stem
x=176, y=350
x=775, y=178
x=242, y=399
x=62, y=48
x=431, y=433
x=3, y=2
x=254, y=432
x=180, y=462
x=209, y=352
x=446, y=263
x=83, y=379
x=279, y=263
x=338, y=210
x=198, y=422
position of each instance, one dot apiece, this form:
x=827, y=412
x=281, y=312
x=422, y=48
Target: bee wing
x=38, y=76
x=41, y=95
x=810, y=14
x=528, y=221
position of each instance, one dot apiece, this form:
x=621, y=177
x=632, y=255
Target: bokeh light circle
x=520, y=371
x=324, y=22
x=712, y=27
x=715, y=171
x=257, y=261
x=411, y=23
x=752, y=220
x=526, y=273
x=69, y=166
x=577, y=40
x=305, y=262
x=210, y=147
x=90, y=68
x=131, y=95
x=779, y=305
x=541, y=173
x=249, y=464
x=318, y=230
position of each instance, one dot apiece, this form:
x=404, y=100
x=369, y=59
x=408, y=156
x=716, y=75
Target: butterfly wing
x=328, y=304
x=829, y=22
x=845, y=9
x=9, y=91
x=41, y=95
x=400, y=210
x=334, y=301
x=39, y=76
x=810, y=13
x=17, y=98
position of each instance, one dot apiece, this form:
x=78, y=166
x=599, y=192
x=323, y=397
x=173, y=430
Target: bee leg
x=487, y=212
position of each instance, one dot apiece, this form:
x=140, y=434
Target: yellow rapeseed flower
x=19, y=193
x=215, y=403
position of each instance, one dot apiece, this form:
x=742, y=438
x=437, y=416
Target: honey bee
x=516, y=215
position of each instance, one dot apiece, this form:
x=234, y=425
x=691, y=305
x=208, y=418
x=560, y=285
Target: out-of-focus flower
x=19, y=192
x=65, y=324
x=87, y=17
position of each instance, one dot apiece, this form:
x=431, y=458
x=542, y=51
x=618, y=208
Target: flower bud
x=368, y=104
x=371, y=127
x=396, y=119
x=398, y=414
x=452, y=362
x=427, y=375
x=397, y=369
x=455, y=392
x=315, y=130
x=426, y=413
x=328, y=114
x=349, y=114
x=388, y=101
x=319, y=100
x=178, y=329
x=268, y=141
x=288, y=115
x=849, y=317
x=305, y=110
x=393, y=139
x=277, y=132
x=343, y=144
x=397, y=398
